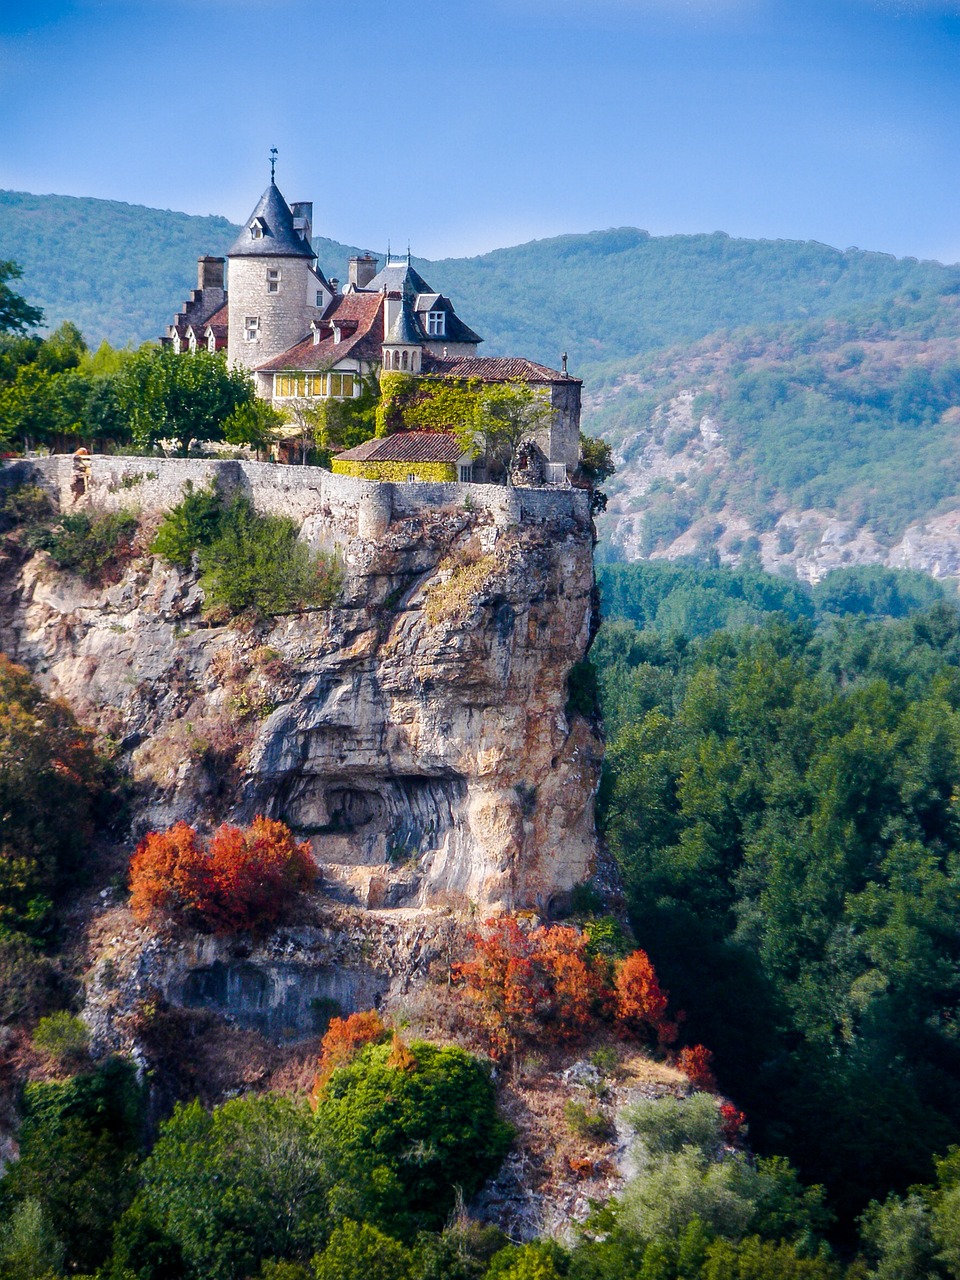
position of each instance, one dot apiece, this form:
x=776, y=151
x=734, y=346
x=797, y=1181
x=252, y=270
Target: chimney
x=302, y=211
x=362, y=270
x=210, y=273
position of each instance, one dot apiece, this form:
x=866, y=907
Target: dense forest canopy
x=782, y=800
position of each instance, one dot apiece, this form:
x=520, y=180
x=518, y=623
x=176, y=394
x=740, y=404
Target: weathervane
x=273, y=161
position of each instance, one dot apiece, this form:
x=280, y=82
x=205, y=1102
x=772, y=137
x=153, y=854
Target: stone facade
x=282, y=317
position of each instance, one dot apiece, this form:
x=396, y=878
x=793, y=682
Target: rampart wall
x=350, y=505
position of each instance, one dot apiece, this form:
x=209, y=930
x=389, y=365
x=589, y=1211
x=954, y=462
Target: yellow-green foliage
x=397, y=393
x=450, y=601
x=430, y=404
x=396, y=471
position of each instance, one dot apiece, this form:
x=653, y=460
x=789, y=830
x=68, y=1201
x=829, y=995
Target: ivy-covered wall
x=397, y=471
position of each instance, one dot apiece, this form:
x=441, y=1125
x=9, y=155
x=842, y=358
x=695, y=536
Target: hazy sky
x=463, y=126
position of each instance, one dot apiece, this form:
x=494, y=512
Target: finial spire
x=564, y=364
x=408, y=253
x=273, y=161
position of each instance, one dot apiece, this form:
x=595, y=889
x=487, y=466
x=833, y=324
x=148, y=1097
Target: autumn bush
x=241, y=878
x=344, y=1039
x=551, y=984
x=641, y=1001
x=539, y=984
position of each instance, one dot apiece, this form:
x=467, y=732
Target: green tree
x=52, y=789
x=235, y=1186
x=258, y=562
x=251, y=423
x=182, y=398
x=16, y=314
x=405, y=1129
x=29, y=1249
x=80, y=1144
x=359, y=1251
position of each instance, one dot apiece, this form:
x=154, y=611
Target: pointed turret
x=269, y=232
x=275, y=290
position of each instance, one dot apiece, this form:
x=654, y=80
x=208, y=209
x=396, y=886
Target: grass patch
x=451, y=600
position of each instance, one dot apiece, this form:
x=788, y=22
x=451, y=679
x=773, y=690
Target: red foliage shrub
x=344, y=1039
x=695, y=1065
x=541, y=984
x=244, y=879
x=732, y=1121
x=641, y=1001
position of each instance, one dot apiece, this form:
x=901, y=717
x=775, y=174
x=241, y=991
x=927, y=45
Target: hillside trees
x=80, y=1144
x=782, y=803
x=404, y=1126
x=53, y=789
x=223, y=1190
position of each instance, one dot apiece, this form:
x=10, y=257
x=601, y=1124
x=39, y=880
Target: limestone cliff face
x=417, y=733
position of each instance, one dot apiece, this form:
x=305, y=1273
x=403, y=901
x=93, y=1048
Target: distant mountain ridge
x=780, y=399
x=120, y=272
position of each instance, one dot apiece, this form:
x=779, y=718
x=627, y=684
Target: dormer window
x=436, y=324
x=257, y=228
x=273, y=279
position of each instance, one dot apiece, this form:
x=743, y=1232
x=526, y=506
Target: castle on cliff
x=302, y=336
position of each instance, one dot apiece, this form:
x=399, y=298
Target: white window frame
x=251, y=328
x=436, y=324
x=273, y=279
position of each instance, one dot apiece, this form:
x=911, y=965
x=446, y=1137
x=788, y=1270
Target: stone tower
x=274, y=289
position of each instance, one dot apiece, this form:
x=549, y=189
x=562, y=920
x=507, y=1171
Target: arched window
x=405, y=360
x=396, y=359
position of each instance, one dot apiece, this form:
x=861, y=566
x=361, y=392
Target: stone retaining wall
x=354, y=506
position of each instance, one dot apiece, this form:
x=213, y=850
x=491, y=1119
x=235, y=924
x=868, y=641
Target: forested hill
x=120, y=271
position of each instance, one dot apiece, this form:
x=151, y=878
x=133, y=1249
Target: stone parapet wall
x=352, y=505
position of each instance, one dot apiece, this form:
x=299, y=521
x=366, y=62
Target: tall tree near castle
x=16, y=314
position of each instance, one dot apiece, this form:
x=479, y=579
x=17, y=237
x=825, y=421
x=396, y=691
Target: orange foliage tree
x=545, y=984
x=242, y=878
x=641, y=1001
x=344, y=1039
x=695, y=1063
x=539, y=984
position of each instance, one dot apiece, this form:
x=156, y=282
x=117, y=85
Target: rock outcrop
x=679, y=451
x=417, y=733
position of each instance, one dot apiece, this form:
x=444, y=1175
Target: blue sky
x=463, y=125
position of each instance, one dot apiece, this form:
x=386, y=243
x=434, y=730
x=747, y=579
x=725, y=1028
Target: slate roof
x=406, y=329
x=279, y=240
x=398, y=277
x=360, y=313
x=407, y=446
x=493, y=369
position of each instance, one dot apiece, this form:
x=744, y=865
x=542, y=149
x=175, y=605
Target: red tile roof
x=407, y=446
x=218, y=320
x=362, y=310
x=493, y=369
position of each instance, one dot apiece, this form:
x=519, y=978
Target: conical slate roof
x=398, y=277
x=405, y=330
x=279, y=238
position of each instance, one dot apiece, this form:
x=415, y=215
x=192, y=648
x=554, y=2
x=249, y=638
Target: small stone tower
x=274, y=290
x=403, y=336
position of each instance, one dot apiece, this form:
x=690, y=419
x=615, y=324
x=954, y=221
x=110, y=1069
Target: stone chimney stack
x=210, y=273
x=302, y=211
x=362, y=270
